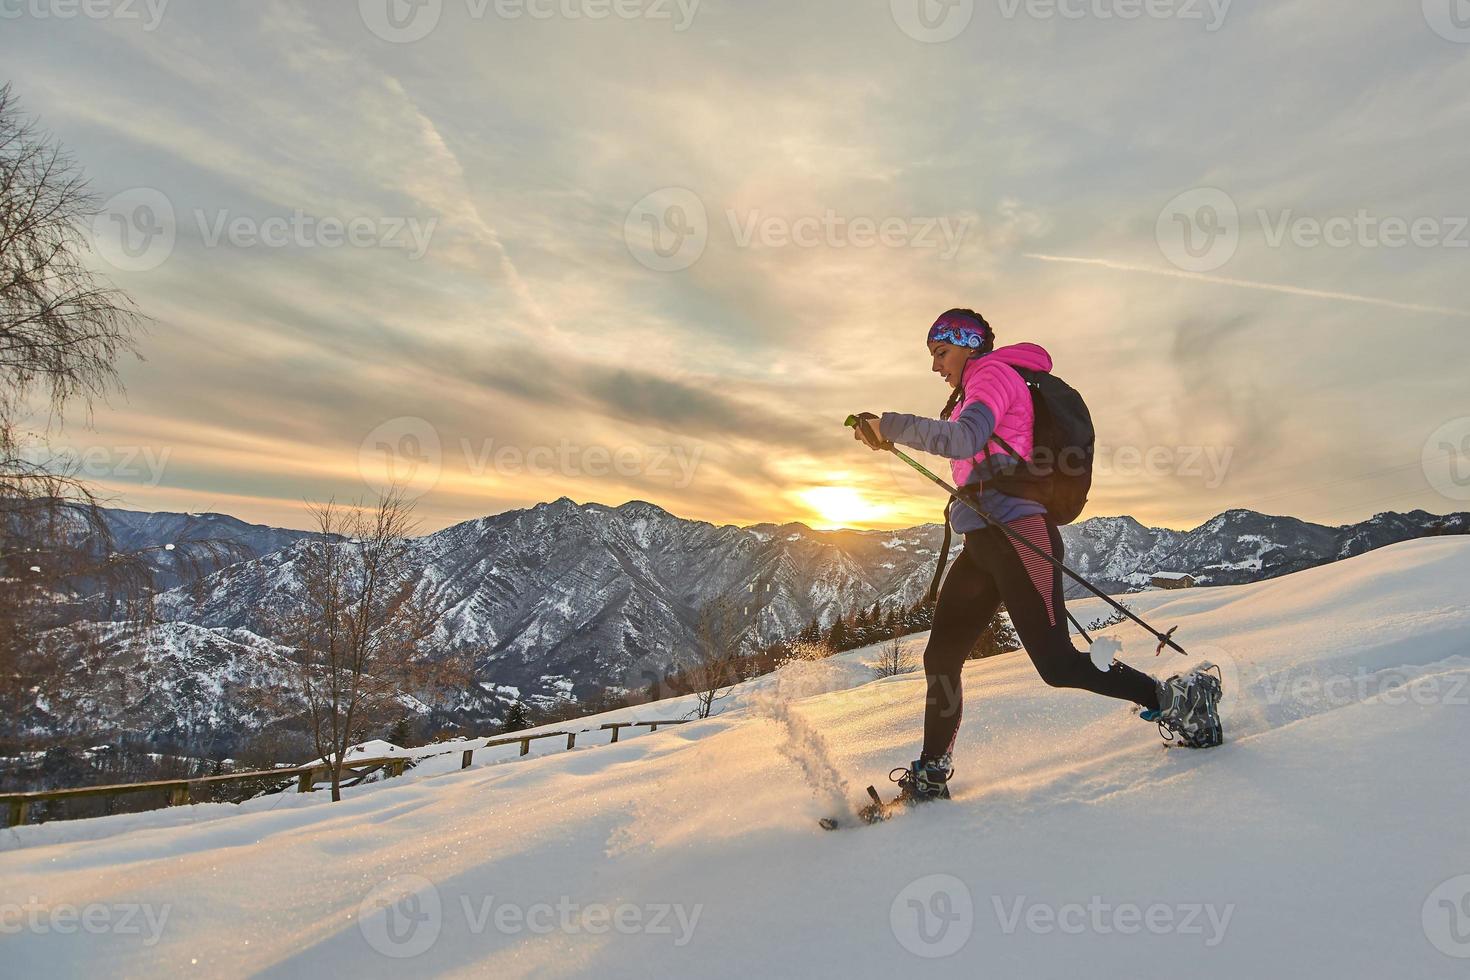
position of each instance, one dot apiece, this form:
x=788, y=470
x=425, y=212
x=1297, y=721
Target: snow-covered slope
x=1327, y=837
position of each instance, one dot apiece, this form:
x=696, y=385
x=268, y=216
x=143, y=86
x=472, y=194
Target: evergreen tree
x=839, y=638
x=999, y=637
x=401, y=733
x=518, y=718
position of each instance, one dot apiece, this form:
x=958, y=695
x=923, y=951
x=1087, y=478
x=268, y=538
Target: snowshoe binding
x=923, y=780
x=1189, y=708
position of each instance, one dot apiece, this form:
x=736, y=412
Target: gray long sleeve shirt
x=962, y=437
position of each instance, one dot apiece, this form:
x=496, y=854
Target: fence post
x=615, y=729
x=653, y=728
x=525, y=746
x=305, y=781
x=571, y=740
x=469, y=755
x=17, y=815
x=178, y=795
x=397, y=766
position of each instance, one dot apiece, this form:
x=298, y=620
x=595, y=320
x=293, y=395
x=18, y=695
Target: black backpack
x=1059, y=473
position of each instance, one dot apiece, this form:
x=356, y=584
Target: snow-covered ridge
x=1281, y=853
x=567, y=596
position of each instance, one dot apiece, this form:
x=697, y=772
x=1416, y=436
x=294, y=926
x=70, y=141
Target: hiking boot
x=924, y=780
x=1189, y=708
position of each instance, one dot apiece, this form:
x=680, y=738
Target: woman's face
x=949, y=361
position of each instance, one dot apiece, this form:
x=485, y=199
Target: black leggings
x=990, y=571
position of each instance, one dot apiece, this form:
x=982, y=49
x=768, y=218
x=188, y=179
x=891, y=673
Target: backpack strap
x=995, y=437
x=943, y=558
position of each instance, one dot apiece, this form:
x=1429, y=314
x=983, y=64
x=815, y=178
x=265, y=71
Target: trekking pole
x=1165, y=639
x=1073, y=620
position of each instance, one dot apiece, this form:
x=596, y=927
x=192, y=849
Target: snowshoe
x=1189, y=708
x=923, y=780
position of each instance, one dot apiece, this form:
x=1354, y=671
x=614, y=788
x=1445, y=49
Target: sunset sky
x=662, y=254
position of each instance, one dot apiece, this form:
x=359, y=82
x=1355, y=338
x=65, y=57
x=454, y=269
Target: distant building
x=1173, y=580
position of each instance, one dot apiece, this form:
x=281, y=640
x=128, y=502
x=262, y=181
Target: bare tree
x=893, y=659
x=62, y=329
x=718, y=648
x=359, y=626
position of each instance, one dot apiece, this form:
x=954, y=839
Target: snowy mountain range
x=1325, y=838
x=567, y=598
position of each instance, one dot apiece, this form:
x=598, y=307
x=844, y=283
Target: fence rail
x=179, y=792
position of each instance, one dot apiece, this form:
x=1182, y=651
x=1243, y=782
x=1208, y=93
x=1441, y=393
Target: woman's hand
x=866, y=432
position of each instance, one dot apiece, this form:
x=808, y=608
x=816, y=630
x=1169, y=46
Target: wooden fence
x=177, y=792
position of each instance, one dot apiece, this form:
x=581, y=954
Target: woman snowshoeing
x=990, y=414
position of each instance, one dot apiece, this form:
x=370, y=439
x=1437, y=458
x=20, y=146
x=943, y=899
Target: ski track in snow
x=1319, y=833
